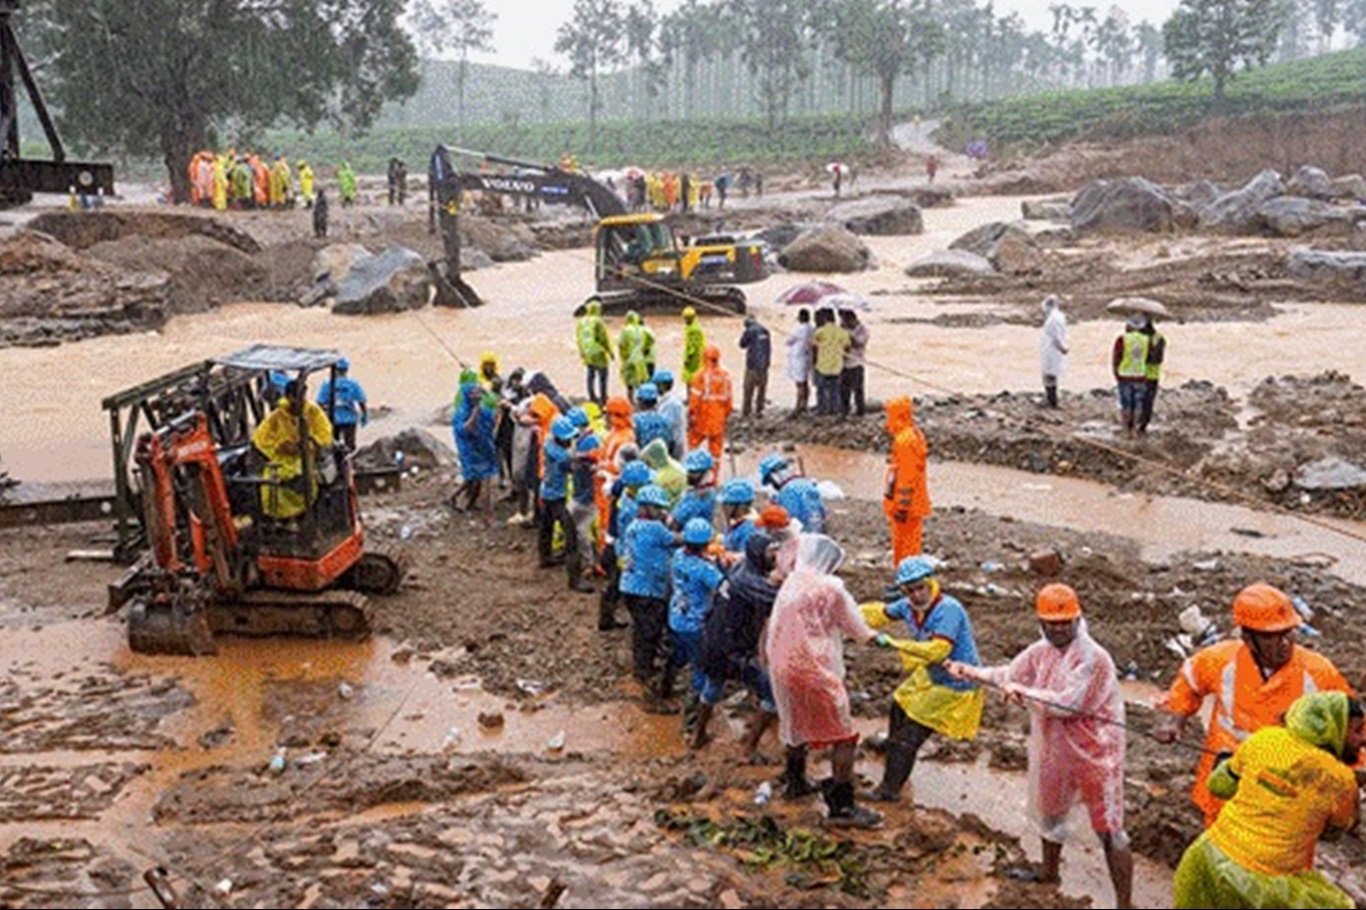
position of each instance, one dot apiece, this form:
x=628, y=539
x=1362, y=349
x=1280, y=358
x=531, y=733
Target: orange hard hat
x=712, y=354
x=1262, y=608
x=773, y=516
x=1057, y=603
x=618, y=406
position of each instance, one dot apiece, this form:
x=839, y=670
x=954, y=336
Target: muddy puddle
x=1163, y=525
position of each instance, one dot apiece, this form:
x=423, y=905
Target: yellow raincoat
x=277, y=437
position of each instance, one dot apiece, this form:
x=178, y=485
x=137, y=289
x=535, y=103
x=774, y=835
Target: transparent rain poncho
x=669, y=474
x=1076, y=743
x=804, y=646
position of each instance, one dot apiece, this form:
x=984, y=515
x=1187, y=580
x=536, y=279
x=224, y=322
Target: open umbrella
x=1142, y=305
x=810, y=294
x=837, y=167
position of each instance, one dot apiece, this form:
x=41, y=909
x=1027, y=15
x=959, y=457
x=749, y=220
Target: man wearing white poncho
x=1076, y=733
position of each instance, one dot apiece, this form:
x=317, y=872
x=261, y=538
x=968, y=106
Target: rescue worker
x=758, y=348
x=488, y=371
x=635, y=345
x=695, y=578
x=1253, y=679
x=320, y=215
x=694, y=343
x=306, y=184
x=1287, y=787
x=558, y=461
x=804, y=653
x=279, y=182
x=345, y=404
x=649, y=423
x=1152, y=375
x=669, y=474
x=622, y=510
x=737, y=502
x=647, y=547
x=673, y=404
x=797, y=494
x=1129, y=363
x=620, y=432
x=472, y=425
x=906, y=498
x=1076, y=732
x=595, y=349
x=930, y=700
x=221, y=179
x=710, y=401
x=583, y=507
x=346, y=184
x=277, y=438
x=699, y=499
x=730, y=644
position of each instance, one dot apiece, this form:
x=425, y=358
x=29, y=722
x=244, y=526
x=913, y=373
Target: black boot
x=607, y=612
x=843, y=813
x=795, y=783
x=899, y=763
x=1051, y=391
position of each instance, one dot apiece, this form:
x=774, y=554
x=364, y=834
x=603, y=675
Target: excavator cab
x=248, y=530
x=634, y=250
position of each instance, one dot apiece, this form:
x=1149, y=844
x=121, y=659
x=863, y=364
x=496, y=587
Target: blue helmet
x=647, y=392
x=662, y=376
x=578, y=417
x=737, y=492
x=636, y=474
x=343, y=365
x=653, y=495
x=563, y=429
x=697, y=532
x=913, y=569
x=588, y=444
x=698, y=460
x=770, y=465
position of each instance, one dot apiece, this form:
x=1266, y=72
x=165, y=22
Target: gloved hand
x=883, y=640
x=901, y=516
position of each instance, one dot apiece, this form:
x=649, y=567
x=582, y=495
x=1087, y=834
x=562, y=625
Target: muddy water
x=55, y=430
x=1162, y=524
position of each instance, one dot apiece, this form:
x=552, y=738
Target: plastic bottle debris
x=346, y=690
x=763, y=794
x=398, y=458
x=452, y=740
x=224, y=886
x=556, y=742
x=278, y=761
x=312, y=758
x=405, y=532
x=993, y=565
x=1302, y=607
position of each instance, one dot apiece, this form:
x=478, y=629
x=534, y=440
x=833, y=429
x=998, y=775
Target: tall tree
x=454, y=25
x=772, y=38
x=886, y=39
x=1217, y=37
x=593, y=42
x=641, y=42
x=1149, y=38
x=153, y=77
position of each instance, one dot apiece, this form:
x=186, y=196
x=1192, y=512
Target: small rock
x=492, y=720
x=1045, y=562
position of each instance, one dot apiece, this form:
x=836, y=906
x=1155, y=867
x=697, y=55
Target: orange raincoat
x=906, y=501
x=710, y=402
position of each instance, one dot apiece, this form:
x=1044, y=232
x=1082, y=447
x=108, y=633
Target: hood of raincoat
x=900, y=413
x=632, y=317
x=467, y=376
x=712, y=354
x=1320, y=719
x=592, y=308
x=486, y=358
x=618, y=413
x=819, y=553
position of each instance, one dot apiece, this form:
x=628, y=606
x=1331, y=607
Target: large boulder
x=1350, y=186
x=1291, y=216
x=1239, y=211
x=390, y=282
x=1131, y=204
x=879, y=216
x=1009, y=248
x=951, y=264
x=418, y=448
x=826, y=249
x=1312, y=183
x=1046, y=210
x=334, y=262
x=1347, y=268
x=503, y=241
x=1330, y=473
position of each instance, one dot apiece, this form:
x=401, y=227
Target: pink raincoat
x=804, y=646
x=1074, y=755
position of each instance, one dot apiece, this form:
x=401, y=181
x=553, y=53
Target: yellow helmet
x=689, y=313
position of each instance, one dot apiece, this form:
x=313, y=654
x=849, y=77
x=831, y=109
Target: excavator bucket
x=167, y=624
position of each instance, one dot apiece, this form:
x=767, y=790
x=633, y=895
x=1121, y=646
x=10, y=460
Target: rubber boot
x=843, y=813
x=795, y=782
x=897, y=770
x=607, y=612
x=700, y=736
x=1051, y=391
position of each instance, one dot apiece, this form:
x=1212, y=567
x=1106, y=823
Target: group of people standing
x=245, y=180
x=832, y=354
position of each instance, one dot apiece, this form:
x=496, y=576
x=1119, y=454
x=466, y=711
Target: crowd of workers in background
x=248, y=180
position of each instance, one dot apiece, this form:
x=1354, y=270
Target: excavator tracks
x=327, y=614
x=380, y=571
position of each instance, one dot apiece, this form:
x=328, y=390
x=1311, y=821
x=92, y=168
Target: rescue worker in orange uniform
x=1254, y=680
x=906, y=501
x=620, y=431
x=710, y=402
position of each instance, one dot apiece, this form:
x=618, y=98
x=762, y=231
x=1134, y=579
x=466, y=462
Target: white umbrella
x=1143, y=305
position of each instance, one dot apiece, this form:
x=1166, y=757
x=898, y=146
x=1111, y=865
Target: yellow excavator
x=639, y=262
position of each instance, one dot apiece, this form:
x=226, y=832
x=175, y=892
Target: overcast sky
x=526, y=28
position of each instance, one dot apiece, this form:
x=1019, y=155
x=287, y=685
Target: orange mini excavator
x=219, y=557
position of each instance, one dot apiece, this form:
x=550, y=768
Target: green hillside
x=1161, y=108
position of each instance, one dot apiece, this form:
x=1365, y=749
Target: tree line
x=163, y=78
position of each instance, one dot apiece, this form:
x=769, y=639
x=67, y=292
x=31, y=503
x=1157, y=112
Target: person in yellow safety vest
x=636, y=345
x=346, y=184
x=306, y=184
x=595, y=349
x=1129, y=362
x=1157, y=352
x=220, y=183
x=694, y=343
x=279, y=183
x=277, y=438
